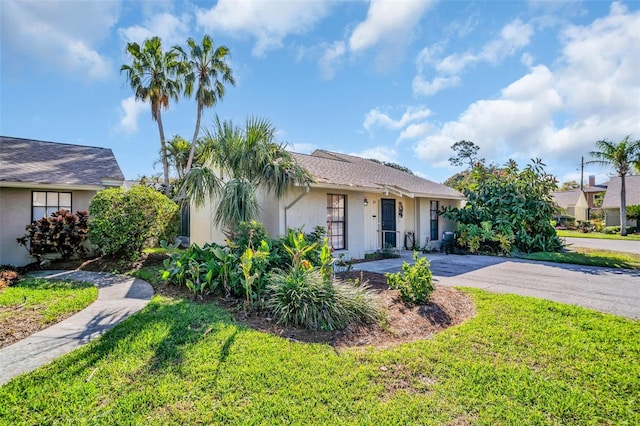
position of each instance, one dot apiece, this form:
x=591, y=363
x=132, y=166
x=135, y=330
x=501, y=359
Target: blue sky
x=395, y=80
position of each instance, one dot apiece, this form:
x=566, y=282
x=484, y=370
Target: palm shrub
x=124, y=222
x=414, y=282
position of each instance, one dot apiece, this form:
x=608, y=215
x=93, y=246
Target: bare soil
x=447, y=307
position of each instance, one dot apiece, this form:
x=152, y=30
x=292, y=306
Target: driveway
x=600, y=244
x=616, y=291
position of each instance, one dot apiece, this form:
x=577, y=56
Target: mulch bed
x=447, y=307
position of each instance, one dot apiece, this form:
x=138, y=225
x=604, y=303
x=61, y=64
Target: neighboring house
x=611, y=202
x=573, y=203
x=579, y=203
x=38, y=178
x=365, y=206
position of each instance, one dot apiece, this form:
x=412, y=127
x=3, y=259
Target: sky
x=394, y=80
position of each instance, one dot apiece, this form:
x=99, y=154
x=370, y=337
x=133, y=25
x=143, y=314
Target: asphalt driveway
x=616, y=291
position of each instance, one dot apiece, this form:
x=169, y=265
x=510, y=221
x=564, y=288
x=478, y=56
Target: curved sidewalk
x=119, y=296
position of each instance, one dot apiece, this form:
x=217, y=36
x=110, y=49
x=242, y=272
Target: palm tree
x=621, y=156
x=177, y=154
x=206, y=69
x=247, y=158
x=153, y=76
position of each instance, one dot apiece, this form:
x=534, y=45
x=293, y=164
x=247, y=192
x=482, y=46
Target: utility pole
x=582, y=175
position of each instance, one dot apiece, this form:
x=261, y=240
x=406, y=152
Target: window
x=434, y=220
x=336, y=220
x=44, y=203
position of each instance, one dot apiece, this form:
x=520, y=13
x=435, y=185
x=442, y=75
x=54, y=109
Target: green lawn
x=49, y=300
x=576, y=234
x=519, y=361
x=591, y=257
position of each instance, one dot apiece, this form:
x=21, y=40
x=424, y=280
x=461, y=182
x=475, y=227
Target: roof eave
x=48, y=185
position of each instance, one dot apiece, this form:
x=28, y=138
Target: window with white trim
x=336, y=221
x=44, y=203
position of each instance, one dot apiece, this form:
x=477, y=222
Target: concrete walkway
x=119, y=296
x=611, y=290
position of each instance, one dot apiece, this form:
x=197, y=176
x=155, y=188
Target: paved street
x=615, y=291
x=596, y=243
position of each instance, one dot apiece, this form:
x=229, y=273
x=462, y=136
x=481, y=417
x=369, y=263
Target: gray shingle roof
x=566, y=199
x=351, y=172
x=33, y=161
x=612, y=196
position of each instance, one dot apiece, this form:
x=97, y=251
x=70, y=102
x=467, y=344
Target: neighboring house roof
x=351, y=172
x=612, y=196
x=27, y=161
x=596, y=188
x=566, y=199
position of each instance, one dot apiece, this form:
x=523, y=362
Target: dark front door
x=388, y=213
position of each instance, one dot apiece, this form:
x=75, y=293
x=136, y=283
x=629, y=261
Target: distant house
x=611, y=202
x=364, y=205
x=38, y=178
x=573, y=203
x=578, y=203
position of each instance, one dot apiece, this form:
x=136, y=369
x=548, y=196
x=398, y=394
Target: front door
x=388, y=213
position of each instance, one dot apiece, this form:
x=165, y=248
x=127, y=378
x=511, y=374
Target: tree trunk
x=163, y=150
x=192, y=151
x=623, y=206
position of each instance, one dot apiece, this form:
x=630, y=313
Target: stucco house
x=364, y=205
x=573, y=203
x=611, y=202
x=40, y=177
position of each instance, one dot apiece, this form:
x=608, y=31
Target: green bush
x=302, y=297
x=611, y=229
x=566, y=221
x=125, y=222
x=414, y=282
x=63, y=233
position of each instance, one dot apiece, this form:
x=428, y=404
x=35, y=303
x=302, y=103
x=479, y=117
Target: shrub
x=124, y=222
x=304, y=298
x=566, y=221
x=414, y=282
x=611, y=229
x=62, y=233
x=249, y=234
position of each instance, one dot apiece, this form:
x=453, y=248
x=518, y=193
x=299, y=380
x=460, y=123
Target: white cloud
x=375, y=117
x=421, y=86
x=268, y=22
x=414, y=131
x=59, y=33
x=513, y=36
x=303, y=148
x=170, y=28
x=331, y=58
x=558, y=114
x=388, y=21
x=527, y=59
x=131, y=108
x=381, y=153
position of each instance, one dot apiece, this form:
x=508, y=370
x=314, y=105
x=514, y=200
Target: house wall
x=201, y=225
x=15, y=204
x=611, y=217
x=444, y=225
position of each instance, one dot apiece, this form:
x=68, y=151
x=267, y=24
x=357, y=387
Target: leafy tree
x=124, y=222
x=466, y=153
x=177, y=154
x=248, y=158
x=458, y=181
x=633, y=213
x=622, y=156
x=154, y=77
x=570, y=185
x=507, y=208
x=207, y=73
x=392, y=165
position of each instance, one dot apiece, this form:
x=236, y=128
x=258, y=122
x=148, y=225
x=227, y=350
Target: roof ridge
x=57, y=143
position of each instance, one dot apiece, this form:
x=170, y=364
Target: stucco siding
x=201, y=227
x=15, y=204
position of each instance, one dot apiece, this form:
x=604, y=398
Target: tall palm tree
x=621, y=156
x=207, y=73
x=154, y=77
x=247, y=158
x=178, y=154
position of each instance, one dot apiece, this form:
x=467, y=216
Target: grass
x=600, y=235
x=51, y=299
x=519, y=361
x=591, y=257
